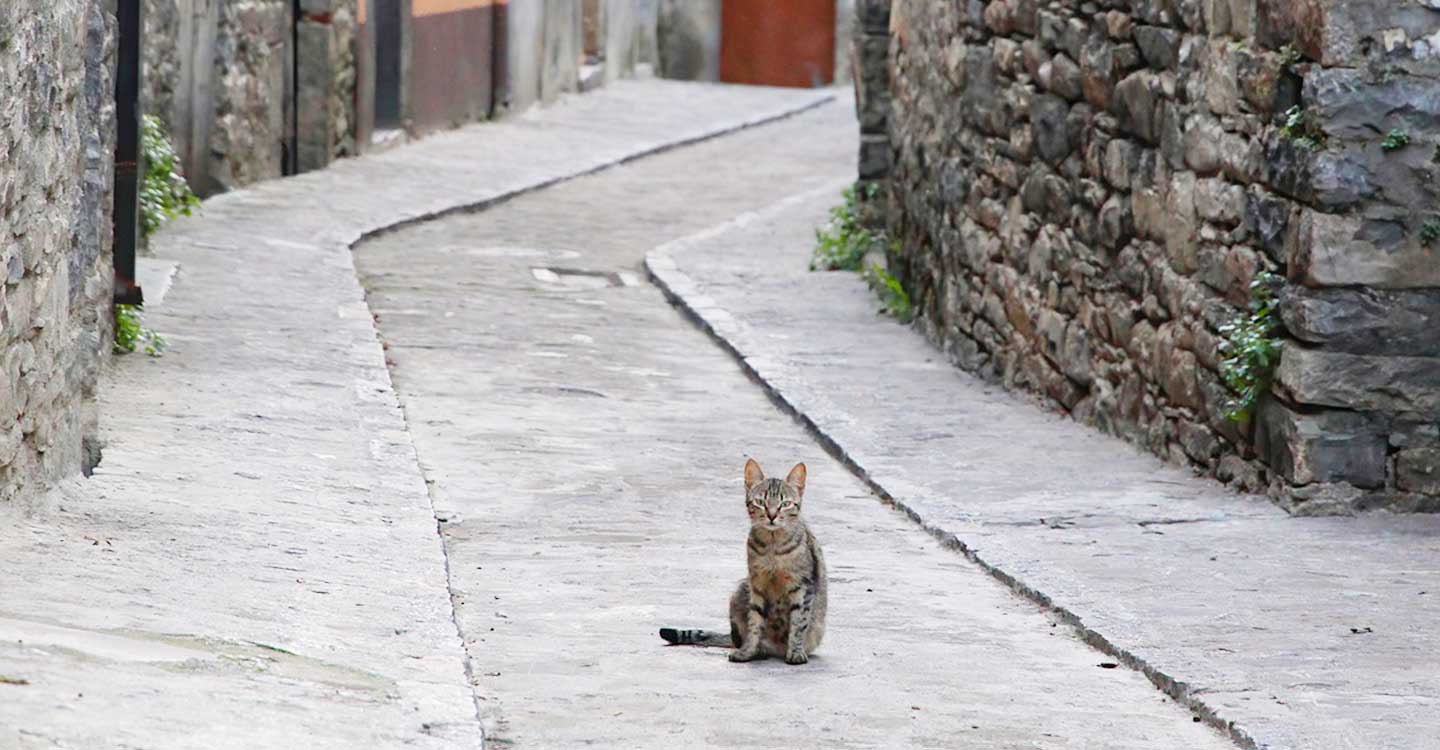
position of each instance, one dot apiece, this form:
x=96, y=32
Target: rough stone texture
x=325, y=87
x=255, y=564
x=588, y=477
x=688, y=35
x=1115, y=177
x=56, y=141
x=1290, y=633
x=164, y=59
x=247, y=140
x=870, y=39
x=218, y=75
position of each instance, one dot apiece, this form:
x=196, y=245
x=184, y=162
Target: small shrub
x=1430, y=231
x=841, y=244
x=1300, y=128
x=1251, y=347
x=131, y=333
x=164, y=193
x=1395, y=140
x=893, y=296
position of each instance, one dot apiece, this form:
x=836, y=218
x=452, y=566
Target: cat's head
x=773, y=503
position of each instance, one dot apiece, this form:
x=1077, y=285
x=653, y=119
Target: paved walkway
x=255, y=562
x=584, y=445
x=1315, y=633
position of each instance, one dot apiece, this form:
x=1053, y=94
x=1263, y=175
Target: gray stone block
x=1397, y=385
x=1321, y=446
x=1346, y=249
x=1418, y=470
x=1365, y=321
x=874, y=157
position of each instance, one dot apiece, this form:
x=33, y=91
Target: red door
x=777, y=42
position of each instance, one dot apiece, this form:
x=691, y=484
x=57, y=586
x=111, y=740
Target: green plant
x=1430, y=231
x=1300, y=128
x=1251, y=347
x=841, y=244
x=131, y=333
x=164, y=193
x=1395, y=140
x=1289, y=56
x=892, y=295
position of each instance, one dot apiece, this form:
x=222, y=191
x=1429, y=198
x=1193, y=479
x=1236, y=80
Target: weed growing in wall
x=1300, y=128
x=841, y=244
x=1430, y=231
x=1395, y=140
x=1251, y=347
x=892, y=295
x=131, y=333
x=164, y=193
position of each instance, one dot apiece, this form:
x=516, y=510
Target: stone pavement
x=255, y=562
x=1314, y=633
x=584, y=446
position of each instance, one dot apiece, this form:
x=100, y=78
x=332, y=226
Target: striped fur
x=779, y=608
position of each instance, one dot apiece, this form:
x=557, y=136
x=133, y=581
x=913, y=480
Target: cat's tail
x=678, y=637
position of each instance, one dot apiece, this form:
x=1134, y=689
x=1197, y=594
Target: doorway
x=389, y=23
x=769, y=43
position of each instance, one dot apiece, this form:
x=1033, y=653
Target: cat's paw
x=796, y=657
x=739, y=655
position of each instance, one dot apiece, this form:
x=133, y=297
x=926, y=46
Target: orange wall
x=423, y=8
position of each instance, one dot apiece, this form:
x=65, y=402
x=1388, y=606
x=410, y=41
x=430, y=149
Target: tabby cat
x=779, y=608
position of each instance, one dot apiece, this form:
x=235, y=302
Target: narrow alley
x=583, y=444
x=394, y=373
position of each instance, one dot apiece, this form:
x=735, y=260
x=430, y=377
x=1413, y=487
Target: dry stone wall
x=1084, y=191
x=56, y=178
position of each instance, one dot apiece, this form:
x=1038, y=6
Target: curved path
x=583, y=444
x=255, y=562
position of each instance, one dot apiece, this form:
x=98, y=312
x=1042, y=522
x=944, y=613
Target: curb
x=723, y=328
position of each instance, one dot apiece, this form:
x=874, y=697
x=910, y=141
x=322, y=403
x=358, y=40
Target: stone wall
x=1083, y=192
x=221, y=75
x=325, y=89
x=56, y=142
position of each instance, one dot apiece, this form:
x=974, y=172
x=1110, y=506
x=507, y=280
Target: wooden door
x=777, y=42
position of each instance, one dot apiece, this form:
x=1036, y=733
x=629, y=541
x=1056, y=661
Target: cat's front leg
x=801, y=608
x=755, y=625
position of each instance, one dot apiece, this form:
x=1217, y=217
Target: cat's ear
x=753, y=475
x=796, y=478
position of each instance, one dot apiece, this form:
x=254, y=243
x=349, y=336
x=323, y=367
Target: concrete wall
x=630, y=35
x=544, y=44
x=1083, y=195
x=56, y=140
